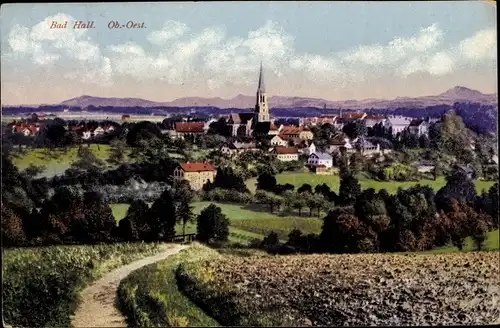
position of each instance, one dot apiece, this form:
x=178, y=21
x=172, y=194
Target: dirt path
x=97, y=308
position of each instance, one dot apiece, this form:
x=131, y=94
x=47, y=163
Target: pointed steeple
x=262, y=86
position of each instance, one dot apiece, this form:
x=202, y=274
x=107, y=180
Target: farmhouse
x=26, y=129
x=278, y=141
x=189, y=128
x=286, y=154
x=398, y=124
x=303, y=148
x=419, y=127
x=197, y=174
x=340, y=144
x=371, y=121
x=232, y=148
x=98, y=131
x=367, y=148
x=318, y=158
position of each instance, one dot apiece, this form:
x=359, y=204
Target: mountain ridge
x=457, y=93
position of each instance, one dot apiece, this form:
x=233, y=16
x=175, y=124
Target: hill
x=448, y=97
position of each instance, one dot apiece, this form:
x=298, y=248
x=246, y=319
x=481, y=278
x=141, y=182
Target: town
x=266, y=164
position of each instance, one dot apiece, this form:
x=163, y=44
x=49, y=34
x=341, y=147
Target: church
x=257, y=123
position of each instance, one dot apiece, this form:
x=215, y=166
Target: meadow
x=40, y=285
x=149, y=296
x=333, y=181
x=347, y=289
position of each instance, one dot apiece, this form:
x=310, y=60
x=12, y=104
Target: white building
x=318, y=158
x=286, y=154
x=397, y=123
x=277, y=141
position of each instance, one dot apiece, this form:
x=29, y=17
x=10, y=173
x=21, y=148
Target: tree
x=305, y=188
x=349, y=189
x=212, y=225
x=271, y=240
x=12, y=228
x=185, y=213
x=266, y=181
x=163, y=216
x=137, y=216
x=458, y=186
x=355, y=129
x=117, y=152
x=298, y=203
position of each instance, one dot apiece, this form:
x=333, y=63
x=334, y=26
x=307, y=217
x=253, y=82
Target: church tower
x=261, y=108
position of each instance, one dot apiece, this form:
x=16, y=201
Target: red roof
x=197, y=167
x=353, y=115
x=291, y=130
x=23, y=127
x=192, y=127
x=273, y=127
x=286, y=150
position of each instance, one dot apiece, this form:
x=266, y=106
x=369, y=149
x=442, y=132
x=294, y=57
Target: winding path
x=98, y=301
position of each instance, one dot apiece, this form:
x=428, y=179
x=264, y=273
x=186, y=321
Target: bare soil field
x=353, y=290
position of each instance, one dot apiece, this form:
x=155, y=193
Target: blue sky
x=334, y=50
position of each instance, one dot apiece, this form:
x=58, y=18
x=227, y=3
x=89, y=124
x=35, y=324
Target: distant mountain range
x=455, y=94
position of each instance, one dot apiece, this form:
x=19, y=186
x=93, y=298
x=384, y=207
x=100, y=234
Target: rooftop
x=189, y=127
x=286, y=150
x=197, y=167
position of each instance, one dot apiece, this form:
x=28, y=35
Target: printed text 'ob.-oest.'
x=92, y=24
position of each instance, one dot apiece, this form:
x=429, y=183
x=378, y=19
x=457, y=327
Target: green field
x=491, y=244
x=298, y=179
x=246, y=222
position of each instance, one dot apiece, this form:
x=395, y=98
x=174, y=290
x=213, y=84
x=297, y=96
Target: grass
x=333, y=181
x=31, y=276
x=246, y=222
x=491, y=244
x=150, y=296
x=57, y=157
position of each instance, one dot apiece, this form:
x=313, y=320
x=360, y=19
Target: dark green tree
x=163, y=217
x=212, y=225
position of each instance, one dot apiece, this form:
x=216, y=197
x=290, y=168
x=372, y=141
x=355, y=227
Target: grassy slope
x=156, y=284
x=298, y=179
x=491, y=244
x=31, y=276
x=58, y=157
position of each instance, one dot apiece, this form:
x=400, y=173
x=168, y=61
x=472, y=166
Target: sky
x=330, y=50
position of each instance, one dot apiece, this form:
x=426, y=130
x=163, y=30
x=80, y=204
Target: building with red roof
x=286, y=154
x=197, y=173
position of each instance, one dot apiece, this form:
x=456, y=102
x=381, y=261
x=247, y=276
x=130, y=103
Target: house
x=371, y=121
x=278, y=141
x=306, y=150
x=197, y=174
x=26, y=129
x=188, y=128
x=286, y=154
x=273, y=130
x=317, y=121
x=232, y=148
x=424, y=166
x=367, y=148
x=397, y=123
x=86, y=134
x=318, y=158
x=98, y=131
x=340, y=144
x=419, y=127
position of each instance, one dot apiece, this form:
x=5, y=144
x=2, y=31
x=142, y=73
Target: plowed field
x=358, y=290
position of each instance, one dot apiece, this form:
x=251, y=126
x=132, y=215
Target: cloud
x=482, y=45
x=177, y=55
x=65, y=47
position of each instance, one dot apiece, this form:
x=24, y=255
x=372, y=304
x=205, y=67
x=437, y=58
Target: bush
x=56, y=273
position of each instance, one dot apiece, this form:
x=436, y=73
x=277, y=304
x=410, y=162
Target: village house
x=367, y=148
x=183, y=129
x=295, y=133
x=98, y=131
x=419, y=127
x=26, y=129
x=317, y=121
x=197, y=174
x=273, y=130
x=286, y=154
x=371, y=121
x=303, y=148
x=340, y=144
x=278, y=141
x=319, y=158
x=397, y=123
x=232, y=148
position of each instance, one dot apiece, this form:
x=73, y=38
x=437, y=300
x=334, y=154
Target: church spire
x=262, y=86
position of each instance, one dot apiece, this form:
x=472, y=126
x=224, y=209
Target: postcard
x=252, y=163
